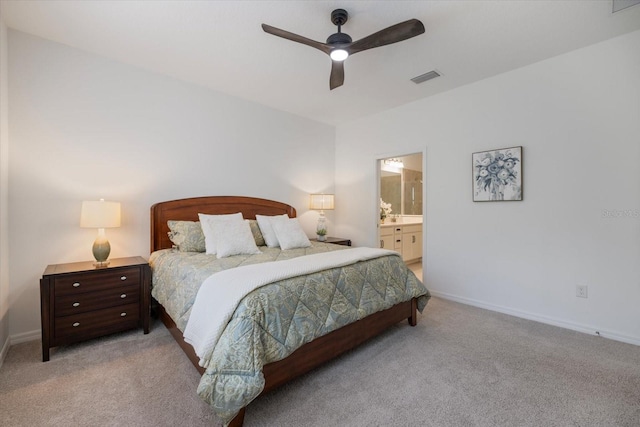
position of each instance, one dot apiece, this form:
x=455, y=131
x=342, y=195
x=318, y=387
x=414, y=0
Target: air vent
x=618, y=5
x=426, y=76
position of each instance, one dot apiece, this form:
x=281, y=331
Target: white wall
x=4, y=195
x=84, y=127
x=578, y=118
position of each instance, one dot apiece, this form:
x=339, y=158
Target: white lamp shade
x=322, y=202
x=100, y=214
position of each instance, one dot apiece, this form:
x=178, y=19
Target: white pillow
x=290, y=234
x=206, y=222
x=266, y=227
x=233, y=237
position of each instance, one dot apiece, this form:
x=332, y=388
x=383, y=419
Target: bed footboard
x=314, y=353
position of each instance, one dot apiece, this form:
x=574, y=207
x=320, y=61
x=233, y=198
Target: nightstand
x=336, y=241
x=79, y=301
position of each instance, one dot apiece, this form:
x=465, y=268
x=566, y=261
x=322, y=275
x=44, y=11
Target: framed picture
x=497, y=175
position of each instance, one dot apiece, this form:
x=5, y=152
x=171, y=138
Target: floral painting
x=497, y=175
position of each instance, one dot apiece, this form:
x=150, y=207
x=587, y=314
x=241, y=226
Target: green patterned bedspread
x=273, y=321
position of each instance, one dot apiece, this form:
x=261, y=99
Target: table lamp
x=100, y=215
x=321, y=202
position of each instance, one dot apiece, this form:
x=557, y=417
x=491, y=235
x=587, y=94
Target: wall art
x=497, y=175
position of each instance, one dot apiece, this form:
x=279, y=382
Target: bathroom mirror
x=401, y=184
x=391, y=190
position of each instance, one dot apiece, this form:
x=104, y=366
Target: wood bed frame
x=308, y=356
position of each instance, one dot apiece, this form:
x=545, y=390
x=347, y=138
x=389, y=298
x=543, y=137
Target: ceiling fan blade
x=396, y=33
x=295, y=38
x=337, y=74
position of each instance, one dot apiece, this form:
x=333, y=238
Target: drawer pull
x=75, y=285
x=123, y=296
x=75, y=325
x=123, y=278
x=123, y=314
x=75, y=304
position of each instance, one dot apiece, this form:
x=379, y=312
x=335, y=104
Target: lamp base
x=101, y=249
x=101, y=264
x=321, y=228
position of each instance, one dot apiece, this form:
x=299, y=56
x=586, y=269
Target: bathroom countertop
x=402, y=221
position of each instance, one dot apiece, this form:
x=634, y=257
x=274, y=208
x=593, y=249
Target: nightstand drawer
x=73, y=284
x=98, y=322
x=89, y=301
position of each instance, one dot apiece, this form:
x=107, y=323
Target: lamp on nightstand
x=321, y=202
x=100, y=215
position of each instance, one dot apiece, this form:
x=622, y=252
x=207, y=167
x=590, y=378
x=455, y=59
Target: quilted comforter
x=273, y=321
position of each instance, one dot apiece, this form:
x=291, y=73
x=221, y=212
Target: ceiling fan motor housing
x=338, y=39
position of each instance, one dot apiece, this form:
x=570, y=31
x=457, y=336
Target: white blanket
x=221, y=292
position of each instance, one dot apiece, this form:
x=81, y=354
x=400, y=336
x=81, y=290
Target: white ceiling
x=220, y=44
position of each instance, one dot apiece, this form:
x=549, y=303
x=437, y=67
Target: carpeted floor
x=461, y=366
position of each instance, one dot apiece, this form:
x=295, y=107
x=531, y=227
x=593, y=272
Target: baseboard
x=587, y=329
x=25, y=336
x=17, y=339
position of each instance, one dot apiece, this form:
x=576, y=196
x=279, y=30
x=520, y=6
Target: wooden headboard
x=188, y=210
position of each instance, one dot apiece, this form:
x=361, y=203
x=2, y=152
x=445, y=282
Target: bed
x=292, y=357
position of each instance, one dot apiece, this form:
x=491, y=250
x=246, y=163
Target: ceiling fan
x=339, y=45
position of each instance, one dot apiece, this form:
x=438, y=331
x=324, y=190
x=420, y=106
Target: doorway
x=401, y=193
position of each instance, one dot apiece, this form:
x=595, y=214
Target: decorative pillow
x=290, y=234
x=186, y=235
x=207, y=221
x=257, y=234
x=233, y=237
x=265, y=222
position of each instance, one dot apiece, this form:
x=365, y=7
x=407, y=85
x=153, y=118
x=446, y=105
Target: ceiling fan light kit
x=339, y=40
x=339, y=54
x=339, y=46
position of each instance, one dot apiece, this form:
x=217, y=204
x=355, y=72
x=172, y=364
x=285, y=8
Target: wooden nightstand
x=79, y=301
x=336, y=241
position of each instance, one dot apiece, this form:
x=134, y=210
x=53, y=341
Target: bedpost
x=413, y=319
x=238, y=420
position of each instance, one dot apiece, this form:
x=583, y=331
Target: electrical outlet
x=581, y=291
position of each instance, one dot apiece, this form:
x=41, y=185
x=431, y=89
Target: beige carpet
x=461, y=366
